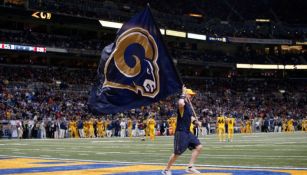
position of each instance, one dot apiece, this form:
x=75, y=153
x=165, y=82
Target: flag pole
x=193, y=109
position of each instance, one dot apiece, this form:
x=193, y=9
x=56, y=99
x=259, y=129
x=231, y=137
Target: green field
x=256, y=150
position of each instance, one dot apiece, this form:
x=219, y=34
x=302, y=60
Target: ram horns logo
x=133, y=63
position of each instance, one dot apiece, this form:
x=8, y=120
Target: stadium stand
x=42, y=93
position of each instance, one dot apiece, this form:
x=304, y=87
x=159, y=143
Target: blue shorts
x=184, y=140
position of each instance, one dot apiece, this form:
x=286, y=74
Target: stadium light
x=196, y=36
x=197, y=15
x=118, y=25
x=301, y=43
x=162, y=31
x=302, y=67
x=176, y=33
x=290, y=67
x=262, y=20
x=57, y=82
x=271, y=66
x=111, y=24
x=244, y=66
x=264, y=66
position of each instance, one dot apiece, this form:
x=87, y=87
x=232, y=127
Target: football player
x=151, y=123
x=290, y=125
x=231, y=124
x=220, y=123
x=100, y=128
x=248, y=128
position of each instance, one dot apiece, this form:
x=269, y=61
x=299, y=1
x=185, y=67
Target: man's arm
x=181, y=103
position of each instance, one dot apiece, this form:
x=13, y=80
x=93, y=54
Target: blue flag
x=135, y=70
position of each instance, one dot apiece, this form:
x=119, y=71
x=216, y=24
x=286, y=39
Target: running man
x=183, y=137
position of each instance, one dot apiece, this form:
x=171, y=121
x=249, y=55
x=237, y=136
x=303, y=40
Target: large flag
x=135, y=70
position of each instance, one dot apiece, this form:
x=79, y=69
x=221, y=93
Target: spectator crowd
x=43, y=100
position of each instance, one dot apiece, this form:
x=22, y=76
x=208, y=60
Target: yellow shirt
x=129, y=123
x=145, y=123
x=231, y=122
x=72, y=124
x=174, y=121
x=169, y=121
x=8, y=115
x=192, y=128
x=100, y=124
x=90, y=125
x=248, y=123
x=151, y=123
x=221, y=122
x=85, y=124
x=290, y=122
x=284, y=123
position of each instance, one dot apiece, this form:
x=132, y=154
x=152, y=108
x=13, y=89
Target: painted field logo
x=23, y=165
x=133, y=63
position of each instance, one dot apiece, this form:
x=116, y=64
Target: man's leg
x=152, y=134
x=123, y=133
x=219, y=134
x=82, y=132
x=231, y=131
x=195, y=154
x=224, y=134
x=171, y=161
x=275, y=129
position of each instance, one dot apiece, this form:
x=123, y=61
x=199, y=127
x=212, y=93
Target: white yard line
x=45, y=155
x=160, y=154
x=111, y=141
x=286, y=149
x=83, y=154
x=213, y=145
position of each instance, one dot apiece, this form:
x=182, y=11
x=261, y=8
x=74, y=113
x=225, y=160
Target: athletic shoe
x=192, y=170
x=166, y=172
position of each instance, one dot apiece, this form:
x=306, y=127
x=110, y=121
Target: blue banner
x=135, y=70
